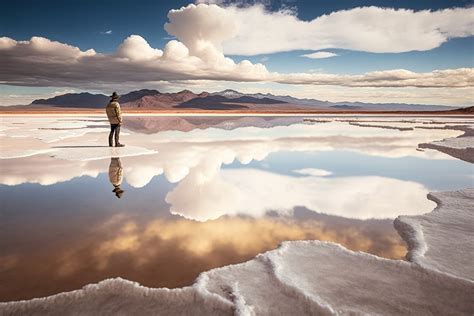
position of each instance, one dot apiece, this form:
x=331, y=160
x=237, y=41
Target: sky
x=370, y=51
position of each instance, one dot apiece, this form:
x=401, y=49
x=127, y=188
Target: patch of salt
x=99, y=152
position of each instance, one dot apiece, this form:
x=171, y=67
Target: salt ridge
x=304, y=277
x=461, y=147
x=429, y=236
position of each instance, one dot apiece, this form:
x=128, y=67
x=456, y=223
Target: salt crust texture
x=443, y=240
x=308, y=278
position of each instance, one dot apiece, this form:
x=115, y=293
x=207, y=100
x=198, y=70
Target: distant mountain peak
x=185, y=91
x=90, y=100
x=224, y=100
x=138, y=94
x=82, y=99
x=229, y=93
x=149, y=91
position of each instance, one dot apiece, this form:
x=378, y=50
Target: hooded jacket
x=114, y=113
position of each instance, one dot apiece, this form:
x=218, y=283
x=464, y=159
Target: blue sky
x=84, y=24
x=456, y=53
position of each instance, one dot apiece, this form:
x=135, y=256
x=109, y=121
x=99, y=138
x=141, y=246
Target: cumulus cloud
x=370, y=29
x=202, y=28
x=42, y=62
x=319, y=55
x=205, y=33
x=136, y=48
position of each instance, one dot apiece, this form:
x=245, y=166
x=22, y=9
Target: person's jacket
x=115, y=172
x=114, y=113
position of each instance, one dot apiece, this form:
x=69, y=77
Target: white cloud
x=136, y=48
x=106, y=32
x=42, y=62
x=370, y=29
x=319, y=55
x=202, y=28
x=45, y=50
x=453, y=78
x=206, y=32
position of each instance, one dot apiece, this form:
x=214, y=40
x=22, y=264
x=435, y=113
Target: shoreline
x=239, y=114
x=74, y=111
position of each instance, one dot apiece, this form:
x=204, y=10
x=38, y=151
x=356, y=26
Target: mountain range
x=223, y=100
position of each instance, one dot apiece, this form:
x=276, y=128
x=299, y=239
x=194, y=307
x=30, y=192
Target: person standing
x=114, y=115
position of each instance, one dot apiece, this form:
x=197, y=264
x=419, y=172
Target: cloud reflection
x=179, y=152
x=255, y=192
x=167, y=252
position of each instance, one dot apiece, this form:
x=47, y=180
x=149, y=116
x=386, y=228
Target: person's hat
x=115, y=95
x=118, y=192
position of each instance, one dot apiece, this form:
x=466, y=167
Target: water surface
x=200, y=193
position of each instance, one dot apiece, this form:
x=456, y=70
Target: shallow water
x=201, y=193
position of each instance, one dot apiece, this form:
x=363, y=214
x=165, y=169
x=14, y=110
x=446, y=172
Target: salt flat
x=248, y=176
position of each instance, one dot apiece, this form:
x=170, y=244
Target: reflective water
x=190, y=194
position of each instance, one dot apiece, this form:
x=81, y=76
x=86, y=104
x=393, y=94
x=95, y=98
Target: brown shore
x=167, y=112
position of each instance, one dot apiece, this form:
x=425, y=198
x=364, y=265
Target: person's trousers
x=114, y=129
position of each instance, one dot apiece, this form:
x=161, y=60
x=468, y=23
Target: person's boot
x=119, y=145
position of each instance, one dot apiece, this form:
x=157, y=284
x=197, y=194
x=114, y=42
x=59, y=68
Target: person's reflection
x=116, y=176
